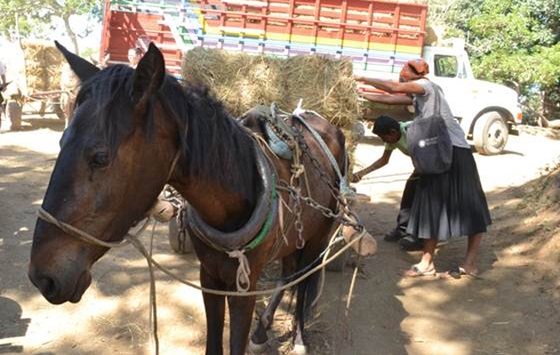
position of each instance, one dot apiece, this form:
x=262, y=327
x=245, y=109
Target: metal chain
x=295, y=139
x=343, y=204
x=298, y=224
x=171, y=195
x=343, y=217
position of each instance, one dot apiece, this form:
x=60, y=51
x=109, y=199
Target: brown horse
x=132, y=132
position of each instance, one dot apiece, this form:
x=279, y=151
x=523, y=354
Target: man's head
x=387, y=129
x=134, y=56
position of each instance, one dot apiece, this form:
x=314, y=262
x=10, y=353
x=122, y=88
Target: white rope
x=47, y=217
x=242, y=280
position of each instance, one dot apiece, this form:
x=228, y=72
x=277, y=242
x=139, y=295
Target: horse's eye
x=100, y=160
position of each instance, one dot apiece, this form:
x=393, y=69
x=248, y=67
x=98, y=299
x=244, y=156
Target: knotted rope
x=242, y=280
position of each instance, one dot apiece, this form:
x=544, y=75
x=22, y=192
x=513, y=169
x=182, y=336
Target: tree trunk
x=71, y=34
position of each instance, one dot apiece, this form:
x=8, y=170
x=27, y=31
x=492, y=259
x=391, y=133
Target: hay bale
x=43, y=65
x=325, y=85
x=239, y=80
x=243, y=81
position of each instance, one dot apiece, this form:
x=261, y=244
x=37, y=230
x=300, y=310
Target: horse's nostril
x=47, y=286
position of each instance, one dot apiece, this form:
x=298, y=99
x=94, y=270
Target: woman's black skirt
x=451, y=204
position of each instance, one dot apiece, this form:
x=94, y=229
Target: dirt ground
x=513, y=309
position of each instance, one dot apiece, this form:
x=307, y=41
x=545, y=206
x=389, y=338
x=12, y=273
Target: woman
x=134, y=56
x=444, y=205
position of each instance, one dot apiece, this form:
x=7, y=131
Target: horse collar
x=257, y=227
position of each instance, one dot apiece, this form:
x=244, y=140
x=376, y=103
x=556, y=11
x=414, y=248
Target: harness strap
x=268, y=203
x=269, y=219
x=344, y=187
x=140, y=247
x=297, y=114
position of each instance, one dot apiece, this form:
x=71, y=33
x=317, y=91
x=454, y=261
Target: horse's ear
x=81, y=67
x=148, y=76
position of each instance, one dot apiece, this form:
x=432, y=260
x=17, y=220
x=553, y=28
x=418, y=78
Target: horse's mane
x=216, y=147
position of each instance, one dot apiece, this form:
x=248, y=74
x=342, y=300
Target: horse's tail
x=307, y=293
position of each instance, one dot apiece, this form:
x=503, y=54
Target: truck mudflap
x=513, y=129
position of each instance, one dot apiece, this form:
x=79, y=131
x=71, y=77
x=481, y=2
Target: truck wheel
x=490, y=134
x=180, y=242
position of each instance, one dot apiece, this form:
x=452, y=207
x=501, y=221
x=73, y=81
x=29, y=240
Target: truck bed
x=379, y=36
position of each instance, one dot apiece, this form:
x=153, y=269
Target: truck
x=378, y=36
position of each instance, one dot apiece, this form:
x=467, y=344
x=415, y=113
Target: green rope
x=266, y=227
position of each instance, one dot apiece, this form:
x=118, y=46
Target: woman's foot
x=420, y=270
x=458, y=271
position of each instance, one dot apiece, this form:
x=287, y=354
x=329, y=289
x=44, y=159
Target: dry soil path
x=510, y=311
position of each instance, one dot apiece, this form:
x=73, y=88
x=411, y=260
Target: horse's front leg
x=215, y=312
x=241, y=315
x=260, y=336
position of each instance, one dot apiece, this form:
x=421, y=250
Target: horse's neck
x=216, y=205
x=215, y=200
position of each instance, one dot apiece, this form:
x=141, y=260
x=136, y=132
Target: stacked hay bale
x=43, y=66
x=239, y=80
x=242, y=81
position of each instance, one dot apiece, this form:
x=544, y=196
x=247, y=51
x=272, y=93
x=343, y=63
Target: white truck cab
x=487, y=111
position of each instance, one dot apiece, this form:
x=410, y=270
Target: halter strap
x=69, y=229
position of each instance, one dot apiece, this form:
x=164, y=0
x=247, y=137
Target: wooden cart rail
x=44, y=103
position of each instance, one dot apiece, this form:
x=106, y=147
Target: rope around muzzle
x=133, y=239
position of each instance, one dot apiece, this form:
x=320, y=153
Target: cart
x=40, y=104
x=46, y=104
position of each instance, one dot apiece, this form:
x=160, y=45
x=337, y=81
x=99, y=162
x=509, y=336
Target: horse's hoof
x=255, y=348
x=299, y=349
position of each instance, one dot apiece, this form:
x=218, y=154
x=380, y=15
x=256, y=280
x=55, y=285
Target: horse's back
x=331, y=135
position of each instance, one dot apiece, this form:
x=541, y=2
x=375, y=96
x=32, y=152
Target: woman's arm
x=392, y=99
x=391, y=86
x=379, y=163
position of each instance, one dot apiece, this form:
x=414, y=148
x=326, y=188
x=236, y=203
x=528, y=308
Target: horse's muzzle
x=58, y=290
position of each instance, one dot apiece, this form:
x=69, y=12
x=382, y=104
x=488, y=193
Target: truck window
x=445, y=65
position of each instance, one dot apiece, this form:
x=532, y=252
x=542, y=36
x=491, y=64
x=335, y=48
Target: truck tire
x=180, y=242
x=490, y=134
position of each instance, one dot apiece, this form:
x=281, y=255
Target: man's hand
x=356, y=177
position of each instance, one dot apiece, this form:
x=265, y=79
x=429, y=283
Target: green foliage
x=512, y=41
x=34, y=18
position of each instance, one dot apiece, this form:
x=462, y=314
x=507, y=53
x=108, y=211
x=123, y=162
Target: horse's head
x=115, y=158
